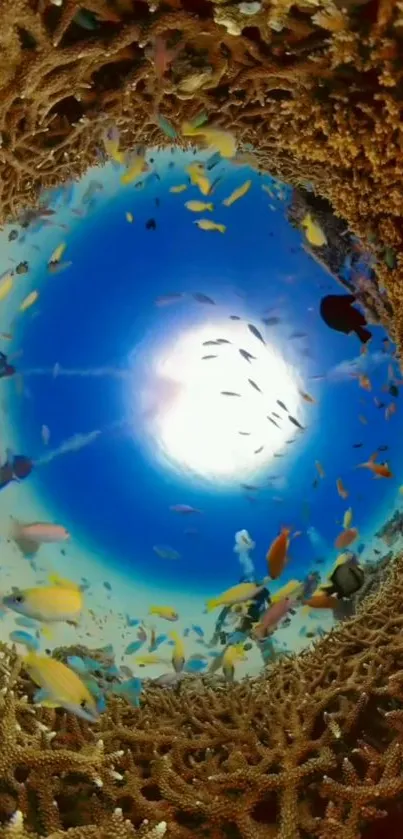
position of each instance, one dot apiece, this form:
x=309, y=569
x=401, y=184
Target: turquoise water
x=124, y=417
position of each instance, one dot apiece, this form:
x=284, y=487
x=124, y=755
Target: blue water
x=113, y=494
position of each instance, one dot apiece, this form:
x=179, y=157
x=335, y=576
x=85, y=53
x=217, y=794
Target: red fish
x=274, y=614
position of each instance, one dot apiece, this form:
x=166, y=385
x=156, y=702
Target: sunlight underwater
x=178, y=490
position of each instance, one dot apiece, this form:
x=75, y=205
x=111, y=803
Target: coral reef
x=315, y=88
x=311, y=749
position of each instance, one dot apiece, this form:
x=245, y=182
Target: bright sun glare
x=217, y=436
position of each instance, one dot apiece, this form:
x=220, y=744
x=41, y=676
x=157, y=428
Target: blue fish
x=107, y=585
x=22, y=621
x=130, y=690
x=160, y=640
x=195, y=665
x=19, y=637
x=77, y=664
x=133, y=647
x=112, y=670
x=93, y=686
x=92, y=664
x=131, y=621
x=198, y=630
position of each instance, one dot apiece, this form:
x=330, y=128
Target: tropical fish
x=197, y=629
x=178, y=655
x=168, y=680
x=254, y=330
x=347, y=518
x=364, y=382
x=195, y=664
x=20, y=637
x=29, y=301
x=179, y=188
x=130, y=689
x=236, y=594
x=111, y=141
x=198, y=206
x=165, y=612
x=40, y=532
x=282, y=405
x=273, y=615
x=346, y=538
x=379, y=470
x=313, y=232
x=149, y=659
x=391, y=409
x=198, y=177
x=6, y=284
x=223, y=141
x=162, y=56
x=233, y=653
x=136, y=165
x=347, y=576
x=257, y=451
x=60, y=686
x=293, y=589
x=237, y=193
x=276, y=556
x=207, y=224
x=47, y=603
x=338, y=313
x=166, y=552
x=78, y=664
x=57, y=254
x=307, y=397
x=133, y=647
x=319, y=469
x=341, y=489
x=167, y=127
x=129, y=217
x=208, y=357
x=322, y=601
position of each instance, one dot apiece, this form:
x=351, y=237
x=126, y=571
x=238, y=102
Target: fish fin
x=373, y=457
x=363, y=334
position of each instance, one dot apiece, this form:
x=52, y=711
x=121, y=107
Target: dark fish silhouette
x=260, y=449
x=277, y=454
x=357, y=445
x=296, y=423
x=202, y=298
x=288, y=442
x=151, y=224
x=209, y=343
x=273, y=421
x=229, y=393
x=297, y=335
x=244, y=433
x=251, y=382
x=234, y=317
x=273, y=321
x=276, y=415
x=254, y=330
x=206, y=357
x=393, y=390
x=284, y=407
x=247, y=355
x=223, y=341
x=382, y=448
x=338, y=312
x=249, y=487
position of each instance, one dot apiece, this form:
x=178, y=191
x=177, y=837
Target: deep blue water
x=101, y=313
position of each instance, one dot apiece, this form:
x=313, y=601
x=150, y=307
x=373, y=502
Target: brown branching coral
x=315, y=87
x=313, y=746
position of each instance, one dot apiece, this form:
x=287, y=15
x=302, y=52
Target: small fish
x=281, y=404
x=391, y=409
x=184, y=509
x=130, y=690
x=198, y=630
x=41, y=532
x=237, y=193
x=296, y=423
x=78, y=664
x=206, y=224
x=223, y=141
x=168, y=680
x=20, y=637
x=199, y=178
x=195, y=665
x=382, y=448
x=141, y=634
x=272, y=617
x=167, y=127
x=254, y=385
x=202, y=298
x=346, y=538
x=210, y=343
x=236, y=594
x=234, y=317
x=244, y=433
x=60, y=687
x=341, y=489
x=319, y=469
x=347, y=518
x=307, y=397
x=232, y=654
x=313, y=232
x=322, y=601
x=365, y=383
x=129, y=218
x=178, y=189
x=29, y=301
x=259, y=450
x=165, y=612
x=199, y=206
x=229, y=393
x=149, y=659
x=207, y=357
x=358, y=445
x=379, y=470
x=45, y=434
x=57, y=254
x=297, y=335
x=247, y=355
x=151, y=224
x=254, y=330
x=273, y=422
x=178, y=655
x=276, y=556
x=166, y=552
x=272, y=321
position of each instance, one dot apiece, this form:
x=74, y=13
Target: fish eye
x=19, y=598
x=83, y=704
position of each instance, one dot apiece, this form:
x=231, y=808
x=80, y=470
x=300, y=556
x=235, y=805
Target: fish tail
x=211, y=604
x=221, y=228
x=363, y=334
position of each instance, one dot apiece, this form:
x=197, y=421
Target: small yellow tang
x=129, y=218
x=198, y=206
x=235, y=594
x=198, y=177
x=178, y=655
x=29, y=301
x=6, y=285
x=292, y=589
x=47, y=603
x=179, y=188
x=237, y=193
x=347, y=518
x=206, y=224
x=165, y=612
x=313, y=232
x=60, y=686
x=58, y=253
x=233, y=653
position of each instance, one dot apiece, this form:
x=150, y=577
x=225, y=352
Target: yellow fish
x=347, y=518
x=292, y=589
x=55, y=580
x=164, y=612
x=60, y=687
x=233, y=653
x=198, y=177
x=179, y=188
x=235, y=594
x=198, y=206
x=313, y=232
x=223, y=141
x=129, y=218
x=178, y=655
x=47, y=603
x=29, y=301
x=151, y=658
x=58, y=253
x=237, y=193
x=136, y=166
x=111, y=145
x=206, y=224
x=6, y=285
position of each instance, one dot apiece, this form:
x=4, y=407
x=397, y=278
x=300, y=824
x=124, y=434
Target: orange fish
x=321, y=601
x=341, y=488
x=391, y=409
x=365, y=383
x=320, y=469
x=346, y=538
x=379, y=470
x=276, y=556
x=163, y=57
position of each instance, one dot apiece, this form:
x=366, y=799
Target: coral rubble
x=313, y=748
x=314, y=87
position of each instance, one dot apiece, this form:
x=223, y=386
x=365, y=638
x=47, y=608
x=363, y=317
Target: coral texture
x=311, y=750
x=315, y=87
